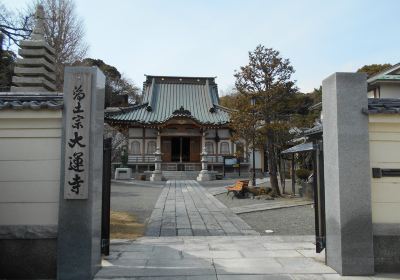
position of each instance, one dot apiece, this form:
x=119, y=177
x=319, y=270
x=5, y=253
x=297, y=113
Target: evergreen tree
x=268, y=78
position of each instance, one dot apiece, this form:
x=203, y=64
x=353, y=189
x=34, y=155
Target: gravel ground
x=135, y=197
x=297, y=220
x=286, y=221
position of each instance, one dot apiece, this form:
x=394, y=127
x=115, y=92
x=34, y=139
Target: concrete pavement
x=219, y=257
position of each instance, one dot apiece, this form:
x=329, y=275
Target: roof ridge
x=228, y=110
x=183, y=77
x=387, y=69
x=127, y=109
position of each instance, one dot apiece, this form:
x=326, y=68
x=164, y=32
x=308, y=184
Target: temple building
x=181, y=116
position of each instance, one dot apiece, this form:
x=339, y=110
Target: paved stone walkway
x=185, y=208
x=219, y=258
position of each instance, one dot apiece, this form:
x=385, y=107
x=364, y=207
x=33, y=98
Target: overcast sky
x=212, y=38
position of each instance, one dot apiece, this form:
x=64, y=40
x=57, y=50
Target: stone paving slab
x=225, y=257
x=270, y=206
x=185, y=208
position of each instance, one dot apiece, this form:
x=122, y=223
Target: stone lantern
x=204, y=174
x=157, y=173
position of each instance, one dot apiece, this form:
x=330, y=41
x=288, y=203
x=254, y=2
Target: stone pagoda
x=35, y=71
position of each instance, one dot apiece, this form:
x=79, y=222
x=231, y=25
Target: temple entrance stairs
x=180, y=175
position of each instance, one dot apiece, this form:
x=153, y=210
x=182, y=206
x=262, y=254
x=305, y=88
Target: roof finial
x=38, y=30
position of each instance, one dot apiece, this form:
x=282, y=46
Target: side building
x=385, y=84
x=181, y=116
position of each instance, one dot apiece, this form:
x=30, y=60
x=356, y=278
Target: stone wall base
x=387, y=253
x=123, y=173
x=156, y=176
x=206, y=176
x=28, y=258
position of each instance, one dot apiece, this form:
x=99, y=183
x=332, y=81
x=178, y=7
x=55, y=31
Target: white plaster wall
x=224, y=133
x=30, y=152
x=151, y=132
x=384, y=137
x=135, y=132
x=371, y=94
x=390, y=90
x=258, y=157
x=210, y=133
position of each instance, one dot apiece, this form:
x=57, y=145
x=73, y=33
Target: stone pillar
x=204, y=174
x=349, y=246
x=79, y=220
x=157, y=173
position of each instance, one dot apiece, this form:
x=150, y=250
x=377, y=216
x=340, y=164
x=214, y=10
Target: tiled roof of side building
x=382, y=106
x=167, y=97
x=388, y=74
x=32, y=101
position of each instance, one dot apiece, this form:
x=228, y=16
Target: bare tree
x=64, y=32
x=11, y=29
x=119, y=142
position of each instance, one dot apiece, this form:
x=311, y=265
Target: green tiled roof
x=388, y=77
x=165, y=98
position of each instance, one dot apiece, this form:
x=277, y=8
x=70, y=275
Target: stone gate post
x=349, y=241
x=79, y=225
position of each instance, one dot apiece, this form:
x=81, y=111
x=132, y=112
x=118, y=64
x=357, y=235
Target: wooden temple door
x=166, y=150
x=195, y=149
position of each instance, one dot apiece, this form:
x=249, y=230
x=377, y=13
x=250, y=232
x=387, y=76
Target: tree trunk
x=273, y=177
x=281, y=165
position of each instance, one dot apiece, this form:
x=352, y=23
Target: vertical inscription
x=77, y=114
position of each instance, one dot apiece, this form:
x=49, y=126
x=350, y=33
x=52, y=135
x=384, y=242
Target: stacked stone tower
x=35, y=71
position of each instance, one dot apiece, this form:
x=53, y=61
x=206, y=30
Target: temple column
x=180, y=149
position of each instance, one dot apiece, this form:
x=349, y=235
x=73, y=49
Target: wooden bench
x=239, y=189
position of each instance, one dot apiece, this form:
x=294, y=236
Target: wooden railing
x=220, y=159
x=141, y=159
x=149, y=158
x=187, y=166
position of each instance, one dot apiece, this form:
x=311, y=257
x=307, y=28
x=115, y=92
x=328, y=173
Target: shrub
x=303, y=174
